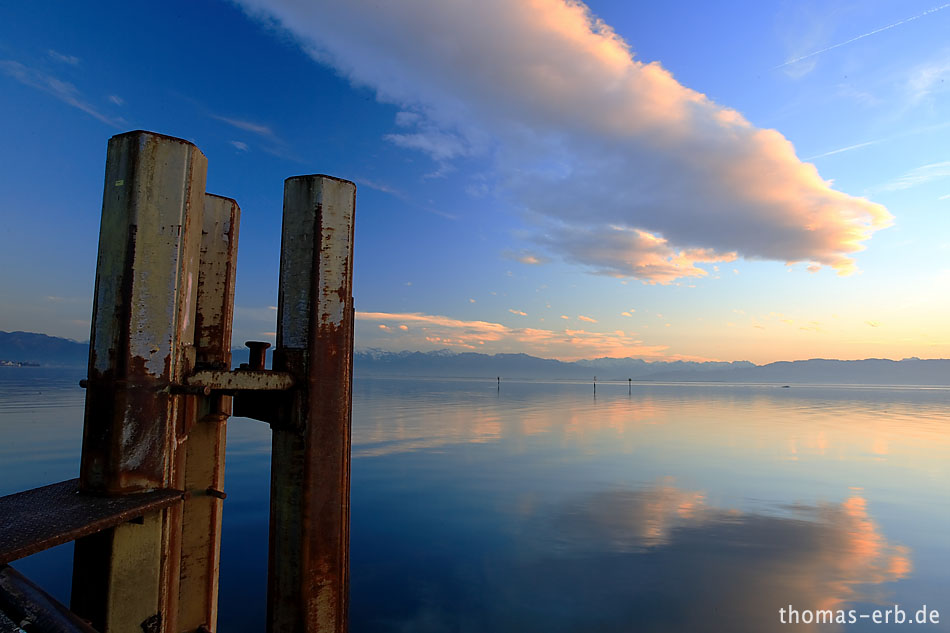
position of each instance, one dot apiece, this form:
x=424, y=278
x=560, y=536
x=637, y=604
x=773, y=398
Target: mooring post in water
x=146, y=516
x=204, y=448
x=143, y=329
x=310, y=465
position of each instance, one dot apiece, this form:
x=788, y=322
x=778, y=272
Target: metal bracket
x=233, y=382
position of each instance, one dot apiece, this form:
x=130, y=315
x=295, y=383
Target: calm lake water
x=538, y=507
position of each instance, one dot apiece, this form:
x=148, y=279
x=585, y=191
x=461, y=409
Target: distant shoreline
x=40, y=350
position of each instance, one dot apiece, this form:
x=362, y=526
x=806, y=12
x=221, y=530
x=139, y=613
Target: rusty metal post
x=308, y=576
x=204, y=448
x=126, y=578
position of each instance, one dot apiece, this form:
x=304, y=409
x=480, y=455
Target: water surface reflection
x=537, y=507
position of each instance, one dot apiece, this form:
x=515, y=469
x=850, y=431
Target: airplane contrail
x=845, y=149
x=869, y=33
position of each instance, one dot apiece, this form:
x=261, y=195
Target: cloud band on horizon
x=594, y=145
x=431, y=331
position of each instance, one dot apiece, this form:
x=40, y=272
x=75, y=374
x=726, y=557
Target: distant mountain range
x=27, y=347
x=445, y=363
x=872, y=371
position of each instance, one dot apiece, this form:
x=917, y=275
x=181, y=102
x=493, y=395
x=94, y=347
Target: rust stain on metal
x=139, y=327
x=142, y=341
x=242, y=380
x=216, y=281
x=309, y=561
x=204, y=444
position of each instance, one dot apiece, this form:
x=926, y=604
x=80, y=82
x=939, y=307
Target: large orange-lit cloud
x=427, y=331
x=599, y=146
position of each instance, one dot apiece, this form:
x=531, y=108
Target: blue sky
x=553, y=178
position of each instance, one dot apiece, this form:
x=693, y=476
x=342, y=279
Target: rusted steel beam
x=242, y=380
x=34, y=520
x=308, y=576
x=204, y=447
x=143, y=330
x=32, y=609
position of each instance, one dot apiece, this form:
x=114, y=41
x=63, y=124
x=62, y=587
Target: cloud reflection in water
x=657, y=559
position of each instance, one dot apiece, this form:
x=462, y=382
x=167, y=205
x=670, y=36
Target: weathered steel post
x=126, y=578
x=310, y=467
x=204, y=460
x=146, y=510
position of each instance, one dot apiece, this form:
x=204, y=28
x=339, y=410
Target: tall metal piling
x=204, y=448
x=310, y=467
x=159, y=394
x=126, y=578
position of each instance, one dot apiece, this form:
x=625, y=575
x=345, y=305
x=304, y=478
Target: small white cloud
x=919, y=176
x=581, y=317
x=526, y=257
x=405, y=118
x=247, y=126
x=72, y=60
x=479, y=190
x=439, y=146
x=518, y=312
x=117, y=100
x=62, y=90
x=240, y=146
x=928, y=79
